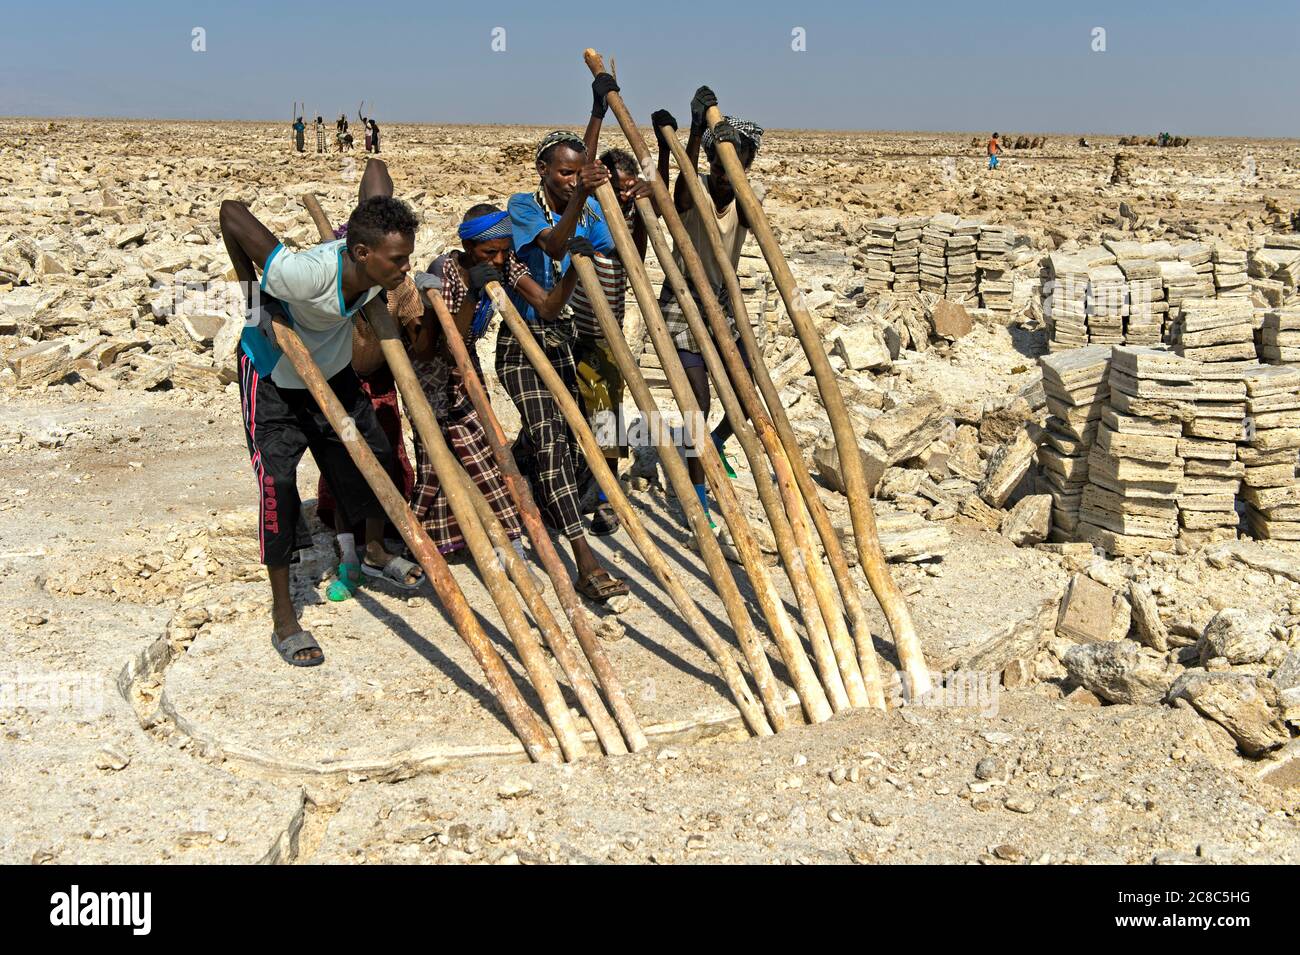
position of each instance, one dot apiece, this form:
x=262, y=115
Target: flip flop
x=605, y=521
x=346, y=584
x=395, y=572
x=600, y=585
x=295, y=643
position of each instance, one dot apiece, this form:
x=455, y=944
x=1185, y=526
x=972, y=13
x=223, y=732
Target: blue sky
x=1192, y=67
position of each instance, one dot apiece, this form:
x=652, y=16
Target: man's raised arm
x=375, y=181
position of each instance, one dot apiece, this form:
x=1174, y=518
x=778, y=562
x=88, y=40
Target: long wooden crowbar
x=717, y=649
x=521, y=717
x=891, y=599
x=485, y=539
x=519, y=490
x=832, y=646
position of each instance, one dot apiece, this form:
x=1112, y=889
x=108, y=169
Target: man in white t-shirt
x=316, y=292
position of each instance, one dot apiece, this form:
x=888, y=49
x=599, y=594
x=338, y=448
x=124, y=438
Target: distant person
x=365, y=126
x=299, y=128
x=320, y=134
x=994, y=148
x=373, y=137
x=341, y=134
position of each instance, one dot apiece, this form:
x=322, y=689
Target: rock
x=1021, y=804
x=42, y=362
x=988, y=768
x=1287, y=674
x=1030, y=521
x=1017, y=673
x=1119, y=671
x=203, y=329
x=1082, y=697
x=1241, y=636
x=1008, y=464
x=514, y=789
x=1121, y=619
x=1146, y=618
x=1086, y=610
x=862, y=347
x=127, y=234
x=827, y=460
x=950, y=320
x=910, y=537
x=906, y=430
x=1242, y=704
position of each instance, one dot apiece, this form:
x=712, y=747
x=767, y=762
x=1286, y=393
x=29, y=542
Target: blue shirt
x=527, y=220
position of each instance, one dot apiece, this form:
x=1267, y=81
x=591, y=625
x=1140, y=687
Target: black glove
x=601, y=87
x=479, y=277
x=580, y=245
x=704, y=99
x=724, y=132
x=659, y=118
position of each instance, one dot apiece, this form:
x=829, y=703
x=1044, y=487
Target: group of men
x=342, y=136
x=527, y=249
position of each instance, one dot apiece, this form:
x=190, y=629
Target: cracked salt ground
x=126, y=555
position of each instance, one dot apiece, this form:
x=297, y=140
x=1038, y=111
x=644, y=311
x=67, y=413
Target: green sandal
x=346, y=584
x=726, y=464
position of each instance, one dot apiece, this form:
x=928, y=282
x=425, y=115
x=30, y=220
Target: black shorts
x=282, y=423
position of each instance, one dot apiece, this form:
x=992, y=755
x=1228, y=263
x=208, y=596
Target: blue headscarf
x=493, y=225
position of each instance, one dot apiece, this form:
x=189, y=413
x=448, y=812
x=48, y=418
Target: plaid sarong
x=464, y=435
x=546, y=450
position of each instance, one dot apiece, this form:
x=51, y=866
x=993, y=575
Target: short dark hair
x=620, y=159
x=482, y=209
x=377, y=217
x=545, y=155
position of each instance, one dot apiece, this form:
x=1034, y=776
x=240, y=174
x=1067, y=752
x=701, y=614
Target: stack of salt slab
x=905, y=261
x=934, y=252
x=1275, y=268
x=1201, y=258
x=1146, y=301
x=1212, y=428
x=1268, y=456
x=878, y=244
x=1230, y=278
x=1181, y=282
x=995, y=285
x=1130, y=504
x=1065, y=280
x=960, y=256
x=1216, y=329
x=1280, y=337
x=1107, y=305
x=1074, y=382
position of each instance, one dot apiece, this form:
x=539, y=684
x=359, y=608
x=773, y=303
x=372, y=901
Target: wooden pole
x=811, y=694
x=537, y=533
x=887, y=592
x=521, y=717
x=631, y=522
x=832, y=646
x=821, y=519
x=456, y=485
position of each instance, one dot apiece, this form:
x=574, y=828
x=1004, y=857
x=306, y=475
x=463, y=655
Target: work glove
x=724, y=132
x=703, y=100
x=601, y=86
x=479, y=277
x=580, y=245
x=661, y=117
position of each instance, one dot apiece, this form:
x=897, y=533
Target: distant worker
x=299, y=128
x=320, y=134
x=994, y=149
x=374, y=137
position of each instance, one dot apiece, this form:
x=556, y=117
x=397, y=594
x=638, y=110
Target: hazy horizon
x=1194, y=68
